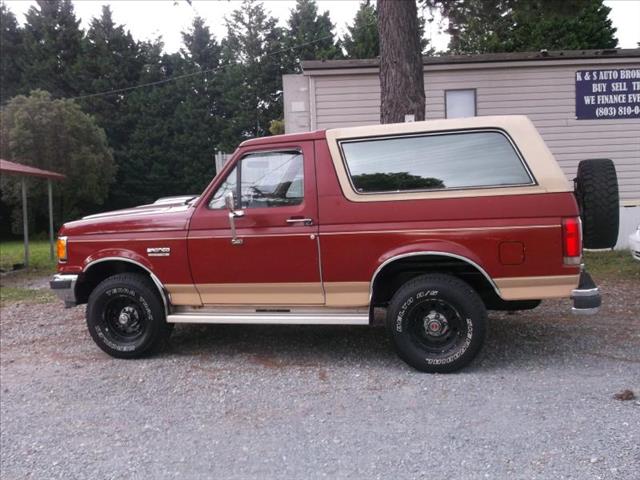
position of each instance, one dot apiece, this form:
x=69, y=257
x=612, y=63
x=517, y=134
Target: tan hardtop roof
x=504, y=122
x=287, y=137
x=537, y=156
x=496, y=121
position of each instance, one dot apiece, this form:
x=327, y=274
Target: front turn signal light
x=61, y=249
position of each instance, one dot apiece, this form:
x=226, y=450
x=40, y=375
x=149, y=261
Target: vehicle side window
x=266, y=179
x=434, y=162
x=230, y=184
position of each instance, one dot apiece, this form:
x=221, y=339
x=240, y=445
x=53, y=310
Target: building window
x=455, y=160
x=460, y=103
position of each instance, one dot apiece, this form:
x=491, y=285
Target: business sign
x=608, y=94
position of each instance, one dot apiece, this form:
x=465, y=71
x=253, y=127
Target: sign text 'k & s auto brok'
x=608, y=94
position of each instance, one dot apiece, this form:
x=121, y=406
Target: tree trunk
x=401, y=77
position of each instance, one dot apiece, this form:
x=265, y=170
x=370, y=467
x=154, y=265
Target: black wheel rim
x=436, y=327
x=124, y=318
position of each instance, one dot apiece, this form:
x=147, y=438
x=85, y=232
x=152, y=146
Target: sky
x=148, y=19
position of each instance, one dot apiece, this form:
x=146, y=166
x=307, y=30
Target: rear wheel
x=437, y=323
x=596, y=187
x=126, y=317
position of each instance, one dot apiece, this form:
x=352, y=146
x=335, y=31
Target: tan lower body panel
x=346, y=294
x=338, y=294
x=261, y=293
x=536, y=288
x=183, y=294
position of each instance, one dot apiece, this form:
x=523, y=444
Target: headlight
x=61, y=249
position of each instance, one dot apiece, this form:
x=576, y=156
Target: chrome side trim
x=272, y=318
x=431, y=253
x=156, y=280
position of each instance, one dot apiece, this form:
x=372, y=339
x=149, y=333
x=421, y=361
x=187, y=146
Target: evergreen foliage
x=362, y=40
x=52, y=45
x=486, y=26
x=309, y=36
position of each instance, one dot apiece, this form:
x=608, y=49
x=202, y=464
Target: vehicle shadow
x=279, y=346
x=520, y=339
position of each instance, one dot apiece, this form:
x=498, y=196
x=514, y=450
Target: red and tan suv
x=436, y=222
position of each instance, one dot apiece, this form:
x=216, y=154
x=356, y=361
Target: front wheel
x=126, y=317
x=437, y=323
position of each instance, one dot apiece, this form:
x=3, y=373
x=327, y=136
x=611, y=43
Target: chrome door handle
x=304, y=221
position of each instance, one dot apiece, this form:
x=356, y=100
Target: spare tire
x=596, y=187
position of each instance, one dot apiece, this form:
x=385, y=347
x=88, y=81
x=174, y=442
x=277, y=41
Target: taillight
x=572, y=240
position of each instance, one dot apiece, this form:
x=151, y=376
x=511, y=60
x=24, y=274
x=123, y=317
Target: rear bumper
x=64, y=286
x=586, y=298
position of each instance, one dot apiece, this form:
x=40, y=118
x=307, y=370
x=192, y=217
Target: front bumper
x=64, y=286
x=586, y=298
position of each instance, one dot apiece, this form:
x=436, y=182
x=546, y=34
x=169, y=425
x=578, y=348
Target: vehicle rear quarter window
x=457, y=160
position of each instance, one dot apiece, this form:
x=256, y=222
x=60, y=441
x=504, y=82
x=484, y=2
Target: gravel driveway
x=323, y=402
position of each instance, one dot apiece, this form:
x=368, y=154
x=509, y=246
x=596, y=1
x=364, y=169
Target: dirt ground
x=322, y=402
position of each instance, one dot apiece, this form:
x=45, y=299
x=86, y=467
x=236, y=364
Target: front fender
x=116, y=254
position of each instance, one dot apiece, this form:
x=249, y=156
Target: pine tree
x=537, y=27
x=309, y=35
x=52, y=46
x=252, y=81
x=200, y=47
x=177, y=124
x=111, y=59
x=198, y=117
x=482, y=26
x=11, y=56
x=363, y=41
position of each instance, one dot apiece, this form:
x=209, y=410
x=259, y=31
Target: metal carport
x=12, y=168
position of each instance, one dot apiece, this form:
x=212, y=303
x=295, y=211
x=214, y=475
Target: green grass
x=12, y=252
x=12, y=285
x=612, y=265
x=24, y=295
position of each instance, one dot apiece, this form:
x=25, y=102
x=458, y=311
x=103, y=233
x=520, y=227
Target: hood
x=169, y=213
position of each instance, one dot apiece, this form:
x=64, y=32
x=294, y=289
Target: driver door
x=274, y=259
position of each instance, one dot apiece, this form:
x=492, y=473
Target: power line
x=187, y=75
x=150, y=84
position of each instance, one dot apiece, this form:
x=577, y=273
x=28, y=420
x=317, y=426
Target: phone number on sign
x=625, y=111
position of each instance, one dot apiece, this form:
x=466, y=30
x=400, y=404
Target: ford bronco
x=430, y=224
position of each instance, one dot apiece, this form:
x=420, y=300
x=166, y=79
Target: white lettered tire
x=437, y=323
x=125, y=316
